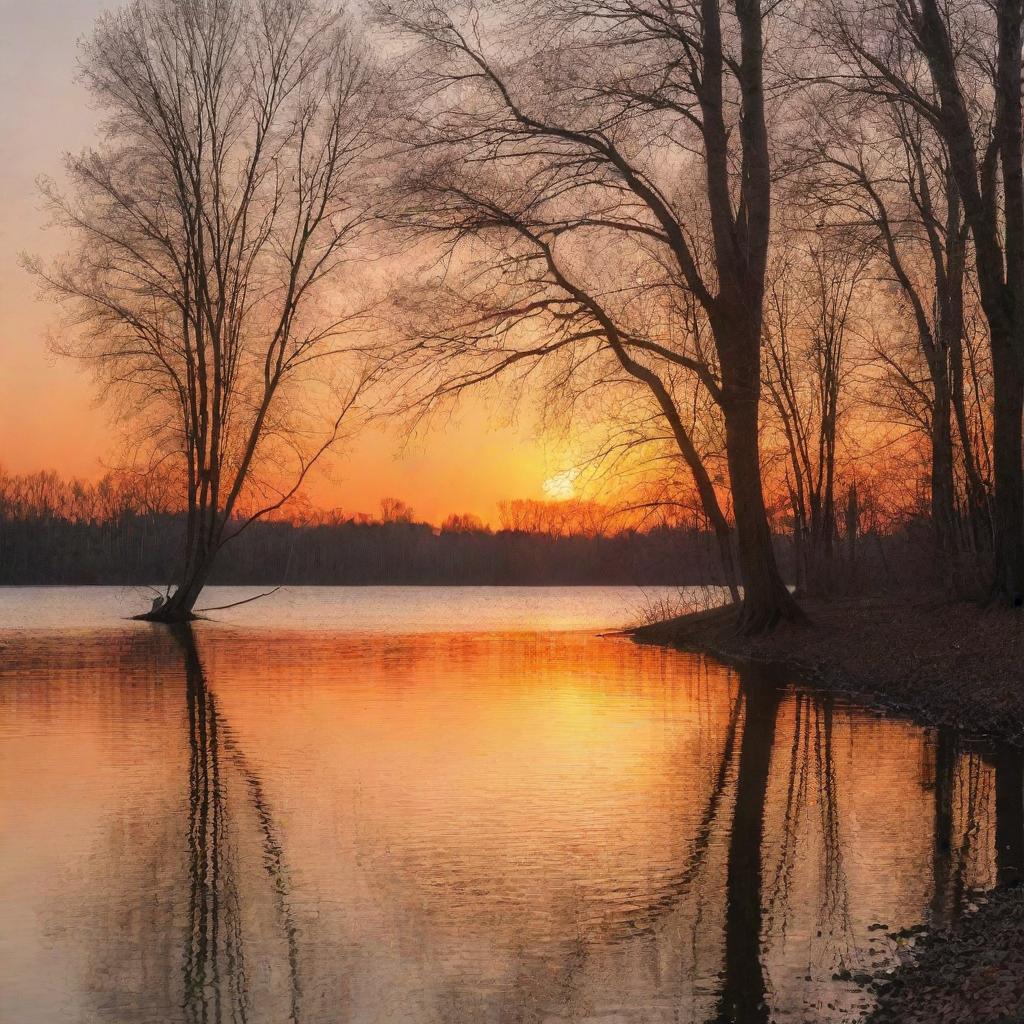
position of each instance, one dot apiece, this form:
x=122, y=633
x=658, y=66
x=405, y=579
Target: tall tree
x=608, y=109
x=810, y=318
x=488, y=325
x=937, y=59
x=227, y=192
x=881, y=168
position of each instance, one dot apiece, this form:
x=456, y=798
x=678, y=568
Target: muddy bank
x=972, y=972
x=944, y=662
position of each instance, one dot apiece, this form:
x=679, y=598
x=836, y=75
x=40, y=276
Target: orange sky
x=48, y=416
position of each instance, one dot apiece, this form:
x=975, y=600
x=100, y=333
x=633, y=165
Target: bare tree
x=524, y=283
x=937, y=60
x=810, y=319
x=607, y=109
x=228, y=191
x=880, y=168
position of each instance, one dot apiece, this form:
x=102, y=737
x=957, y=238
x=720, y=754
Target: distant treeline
x=125, y=530
x=141, y=549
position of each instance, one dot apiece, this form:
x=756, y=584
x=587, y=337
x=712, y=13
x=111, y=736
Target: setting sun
x=560, y=486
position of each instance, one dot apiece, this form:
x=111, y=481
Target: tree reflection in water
x=215, y=973
x=743, y=995
x=962, y=792
x=760, y=875
x=812, y=762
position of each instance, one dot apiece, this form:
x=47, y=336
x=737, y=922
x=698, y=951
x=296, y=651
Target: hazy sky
x=48, y=416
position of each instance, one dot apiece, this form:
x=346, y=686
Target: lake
x=454, y=805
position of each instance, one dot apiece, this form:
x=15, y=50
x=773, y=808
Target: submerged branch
x=236, y=604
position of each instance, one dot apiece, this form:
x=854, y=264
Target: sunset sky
x=48, y=414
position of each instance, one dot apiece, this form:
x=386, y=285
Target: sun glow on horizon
x=560, y=487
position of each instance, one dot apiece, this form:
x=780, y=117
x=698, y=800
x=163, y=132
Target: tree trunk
x=950, y=286
x=997, y=226
x=852, y=525
x=1008, y=585
x=182, y=602
x=977, y=498
x=942, y=487
x=766, y=599
x=179, y=607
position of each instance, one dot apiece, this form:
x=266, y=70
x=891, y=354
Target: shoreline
x=943, y=663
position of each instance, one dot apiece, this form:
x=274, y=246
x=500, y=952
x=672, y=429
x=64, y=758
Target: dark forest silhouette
x=124, y=531
x=141, y=550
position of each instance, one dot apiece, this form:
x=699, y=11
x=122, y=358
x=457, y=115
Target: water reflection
x=962, y=786
x=463, y=828
x=215, y=972
x=743, y=996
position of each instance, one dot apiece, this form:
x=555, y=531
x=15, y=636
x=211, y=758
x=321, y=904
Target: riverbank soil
x=971, y=974
x=945, y=662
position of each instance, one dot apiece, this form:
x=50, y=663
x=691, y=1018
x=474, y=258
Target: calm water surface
x=425, y=805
